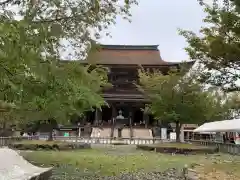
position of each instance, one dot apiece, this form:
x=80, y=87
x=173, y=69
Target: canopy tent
x=220, y=126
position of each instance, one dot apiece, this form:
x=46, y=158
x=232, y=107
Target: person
x=25, y=134
x=224, y=138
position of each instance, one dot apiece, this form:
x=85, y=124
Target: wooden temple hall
x=126, y=102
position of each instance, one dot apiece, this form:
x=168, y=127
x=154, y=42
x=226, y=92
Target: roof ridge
x=130, y=47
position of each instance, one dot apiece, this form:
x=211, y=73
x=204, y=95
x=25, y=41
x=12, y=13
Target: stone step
x=137, y=133
x=142, y=133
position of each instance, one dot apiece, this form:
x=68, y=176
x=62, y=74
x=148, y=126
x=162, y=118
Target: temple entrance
x=152, y=121
x=106, y=115
x=138, y=118
x=90, y=116
x=125, y=111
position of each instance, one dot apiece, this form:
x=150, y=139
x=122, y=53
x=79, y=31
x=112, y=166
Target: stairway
x=142, y=133
x=105, y=132
x=137, y=133
x=126, y=133
x=96, y=132
x=101, y=132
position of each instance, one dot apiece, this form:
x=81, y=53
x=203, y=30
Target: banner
x=173, y=136
x=164, y=133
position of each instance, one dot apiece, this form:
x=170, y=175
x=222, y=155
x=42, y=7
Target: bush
x=178, y=148
x=145, y=147
x=47, y=145
x=118, y=143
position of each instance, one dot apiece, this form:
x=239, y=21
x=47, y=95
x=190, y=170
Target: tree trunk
x=178, y=131
x=52, y=123
x=50, y=134
x=112, y=128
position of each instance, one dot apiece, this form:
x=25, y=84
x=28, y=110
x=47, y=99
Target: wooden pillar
x=98, y=116
x=113, y=119
x=188, y=135
x=114, y=113
x=133, y=116
x=131, y=121
x=146, y=119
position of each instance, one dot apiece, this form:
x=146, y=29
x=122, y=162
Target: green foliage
x=218, y=45
x=225, y=3
x=35, y=145
x=180, y=98
x=33, y=80
x=71, y=89
x=178, y=148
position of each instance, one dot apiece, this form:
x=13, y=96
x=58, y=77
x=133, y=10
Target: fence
x=99, y=140
x=222, y=147
x=5, y=141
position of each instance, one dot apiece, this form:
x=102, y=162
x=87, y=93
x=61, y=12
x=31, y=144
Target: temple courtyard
x=125, y=162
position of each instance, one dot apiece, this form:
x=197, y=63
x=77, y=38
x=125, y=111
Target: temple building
x=123, y=62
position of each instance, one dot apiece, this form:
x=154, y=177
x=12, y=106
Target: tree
x=217, y=47
x=31, y=77
x=42, y=31
x=180, y=99
x=68, y=89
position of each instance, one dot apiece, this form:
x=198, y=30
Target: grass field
x=108, y=161
x=112, y=160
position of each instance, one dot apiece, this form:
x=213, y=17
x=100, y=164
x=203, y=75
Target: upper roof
x=127, y=54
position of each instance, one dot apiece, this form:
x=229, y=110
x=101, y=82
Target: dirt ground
x=223, y=167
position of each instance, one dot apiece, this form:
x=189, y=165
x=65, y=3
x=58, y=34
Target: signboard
x=190, y=125
x=173, y=136
x=66, y=134
x=163, y=133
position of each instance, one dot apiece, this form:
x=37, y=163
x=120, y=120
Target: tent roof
x=220, y=126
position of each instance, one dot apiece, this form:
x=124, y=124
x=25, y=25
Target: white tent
x=220, y=126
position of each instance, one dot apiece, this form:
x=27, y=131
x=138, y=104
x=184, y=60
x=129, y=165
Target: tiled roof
x=127, y=54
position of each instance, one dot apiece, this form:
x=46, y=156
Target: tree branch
x=7, y=70
x=5, y=2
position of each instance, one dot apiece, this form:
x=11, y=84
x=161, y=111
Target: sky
x=156, y=22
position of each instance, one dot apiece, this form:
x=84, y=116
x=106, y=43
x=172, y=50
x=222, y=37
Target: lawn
x=109, y=163
x=112, y=160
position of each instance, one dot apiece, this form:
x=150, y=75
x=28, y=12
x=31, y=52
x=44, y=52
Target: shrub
x=118, y=143
x=47, y=145
x=178, y=148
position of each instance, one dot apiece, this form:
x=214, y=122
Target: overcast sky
x=156, y=22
